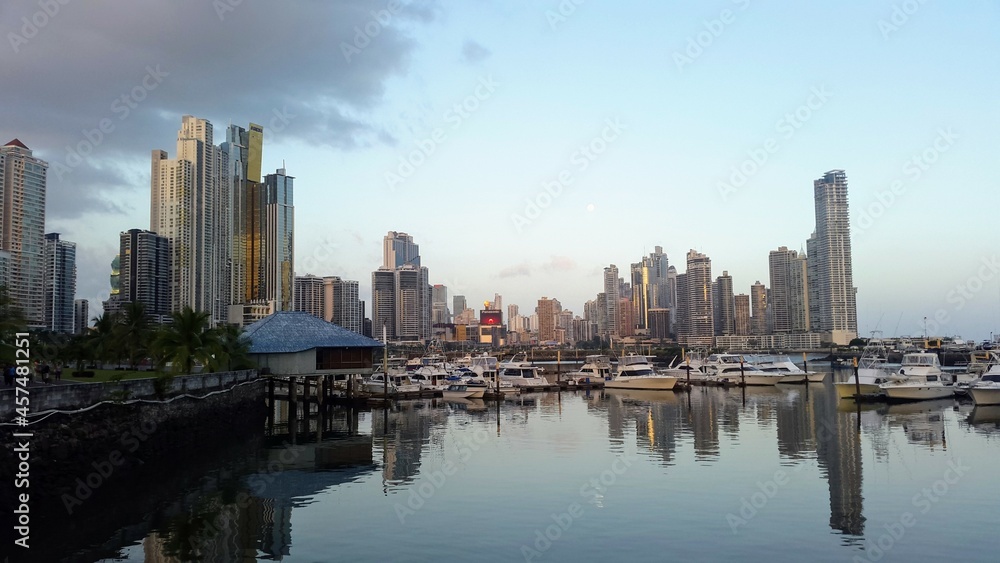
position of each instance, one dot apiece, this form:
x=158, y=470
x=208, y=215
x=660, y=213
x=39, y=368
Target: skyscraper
x=144, y=271
x=439, y=305
x=779, y=266
x=398, y=249
x=724, y=305
x=758, y=299
x=612, y=298
x=742, y=314
x=411, y=293
x=833, y=304
x=60, y=283
x=309, y=295
x=279, y=266
x=341, y=305
x=546, y=311
x=700, y=315
x=190, y=207
x=81, y=316
x=22, y=227
x=459, y=304
x=384, y=303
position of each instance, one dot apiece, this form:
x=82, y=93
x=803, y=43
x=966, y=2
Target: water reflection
x=249, y=515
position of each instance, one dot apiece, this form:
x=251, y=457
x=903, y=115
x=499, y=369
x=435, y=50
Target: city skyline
x=562, y=141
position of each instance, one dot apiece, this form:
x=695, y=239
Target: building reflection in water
x=248, y=517
x=838, y=453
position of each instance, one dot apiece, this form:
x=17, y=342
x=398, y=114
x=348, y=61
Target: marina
x=746, y=463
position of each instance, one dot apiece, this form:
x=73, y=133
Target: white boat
x=635, y=372
x=397, y=384
x=872, y=370
x=735, y=369
x=522, y=374
x=986, y=391
x=595, y=368
x=790, y=372
x=484, y=375
x=460, y=392
x=918, y=379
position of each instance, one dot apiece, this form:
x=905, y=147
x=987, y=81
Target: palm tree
x=230, y=351
x=187, y=340
x=12, y=321
x=135, y=332
x=103, y=340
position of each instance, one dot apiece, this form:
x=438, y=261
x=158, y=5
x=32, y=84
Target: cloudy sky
x=527, y=145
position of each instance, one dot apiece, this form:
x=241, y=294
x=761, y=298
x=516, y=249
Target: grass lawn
x=102, y=375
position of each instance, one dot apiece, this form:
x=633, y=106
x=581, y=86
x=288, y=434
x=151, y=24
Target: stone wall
x=78, y=395
x=107, y=458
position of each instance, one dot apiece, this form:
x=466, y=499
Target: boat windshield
x=640, y=372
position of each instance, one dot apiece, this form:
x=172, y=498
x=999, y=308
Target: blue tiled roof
x=295, y=331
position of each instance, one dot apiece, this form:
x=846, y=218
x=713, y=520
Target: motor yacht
x=635, y=372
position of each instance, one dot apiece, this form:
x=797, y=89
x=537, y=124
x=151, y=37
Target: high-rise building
x=659, y=323
x=81, y=316
x=741, y=314
x=439, y=305
x=788, y=303
x=309, y=295
x=626, y=322
x=758, y=300
x=412, y=292
x=279, y=241
x=398, y=249
x=144, y=271
x=114, y=302
x=672, y=297
x=22, y=228
x=60, y=283
x=459, y=304
x=546, y=311
x=798, y=293
x=384, y=303
x=724, y=305
x=341, y=305
x=409, y=306
x=190, y=207
x=700, y=316
x=833, y=304
x=513, y=317
x=612, y=298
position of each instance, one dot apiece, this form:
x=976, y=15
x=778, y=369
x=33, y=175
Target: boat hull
x=661, y=383
x=848, y=390
x=985, y=395
x=794, y=378
x=818, y=377
x=916, y=392
x=759, y=380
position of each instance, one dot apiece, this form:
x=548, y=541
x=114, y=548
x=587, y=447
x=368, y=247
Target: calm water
x=772, y=474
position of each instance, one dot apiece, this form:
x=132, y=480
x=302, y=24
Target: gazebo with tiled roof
x=297, y=343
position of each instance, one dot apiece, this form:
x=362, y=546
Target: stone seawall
x=107, y=458
x=78, y=395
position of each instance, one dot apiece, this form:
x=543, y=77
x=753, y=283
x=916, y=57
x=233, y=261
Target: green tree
x=230, y=351
x=103, y=339
x=135, y=333
x=186, y=340
x=12, y=321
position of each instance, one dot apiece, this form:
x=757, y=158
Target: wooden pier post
x=857, y=383
x=293, y=389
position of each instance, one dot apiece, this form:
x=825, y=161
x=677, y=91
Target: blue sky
x=673, y=96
